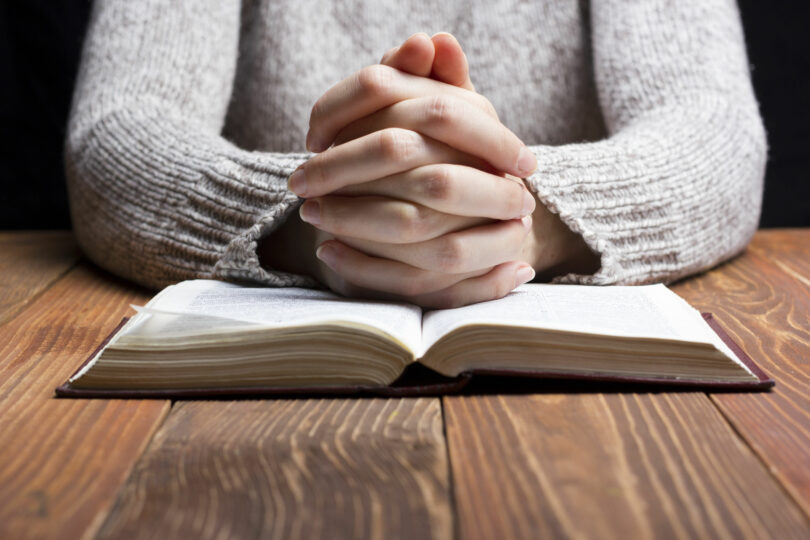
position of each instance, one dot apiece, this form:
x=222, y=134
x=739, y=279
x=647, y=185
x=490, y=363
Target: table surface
x=499, y=465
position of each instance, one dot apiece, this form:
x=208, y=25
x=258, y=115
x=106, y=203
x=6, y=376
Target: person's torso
x=531, y=59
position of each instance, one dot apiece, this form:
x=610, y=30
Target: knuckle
x=376, y=80
x=487, y=106
x=450, y=255
x=397, y=144
x=437, y=183
x=442, y=110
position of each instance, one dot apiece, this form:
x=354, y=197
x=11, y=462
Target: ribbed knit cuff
x=240, y=260
x=668, y=196
x=157, y=202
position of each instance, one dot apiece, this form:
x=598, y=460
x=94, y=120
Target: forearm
x=676, y=187
x=675, y=195
x=156, y=203
x=157, y=195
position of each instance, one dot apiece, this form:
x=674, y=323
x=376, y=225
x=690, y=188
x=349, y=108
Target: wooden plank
x=767, y=311
x=342, y=468
x=62, y=461
x=47, y=341
x=787, y=249
x=608, y=466
x=29, y=263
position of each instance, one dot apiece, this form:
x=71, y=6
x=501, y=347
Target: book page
x=650, y=311
x=282, y=307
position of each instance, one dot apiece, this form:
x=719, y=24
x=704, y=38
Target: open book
x=206, y=337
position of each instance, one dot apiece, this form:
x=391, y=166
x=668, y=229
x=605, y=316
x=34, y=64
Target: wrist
x=555, y=250
x=579, y=259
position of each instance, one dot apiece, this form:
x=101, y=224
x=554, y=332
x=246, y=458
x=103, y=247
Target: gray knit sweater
x=189, y=115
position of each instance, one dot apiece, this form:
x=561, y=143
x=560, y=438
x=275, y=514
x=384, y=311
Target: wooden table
x=544, y=464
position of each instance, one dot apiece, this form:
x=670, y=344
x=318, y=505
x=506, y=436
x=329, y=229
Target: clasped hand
x=415, y=193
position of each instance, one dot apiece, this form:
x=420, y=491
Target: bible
x=208, y=338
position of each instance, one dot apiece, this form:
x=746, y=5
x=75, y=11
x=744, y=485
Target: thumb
x=414, y=56
x=450, y=63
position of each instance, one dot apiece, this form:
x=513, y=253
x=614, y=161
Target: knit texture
x=188, y=117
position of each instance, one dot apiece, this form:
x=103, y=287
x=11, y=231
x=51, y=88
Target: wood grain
x=340, y=468
x=29, y=263
x=62, y=461
x=767, y=311
x=787, y=249
x=654, y=465
x=608, y=466
x=46, y=342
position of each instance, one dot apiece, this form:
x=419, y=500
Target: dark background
x=40, y=43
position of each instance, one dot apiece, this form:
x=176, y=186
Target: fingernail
x=527, y=222
x=298, y=182
x=526, y=163
x=524, y=275
x=528, y=204
x=313, y=144
x=311, y=212
x=326, y=253
x=316, y=145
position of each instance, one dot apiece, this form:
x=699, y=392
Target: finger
x=414, y=56
x=449, y=62
x=369, y=90
x=373, y=156
x=380, y=219
x=380, y=120
x=495, y=284
x=452, y=189
x=457, y=252
x=385, y=57
x=383, y=274
x=456, y=123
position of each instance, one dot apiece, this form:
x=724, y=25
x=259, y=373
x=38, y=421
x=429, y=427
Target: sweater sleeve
x=156, y=194
x=676, y=186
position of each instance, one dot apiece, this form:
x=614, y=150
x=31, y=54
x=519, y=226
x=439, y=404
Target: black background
x=40, y=43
